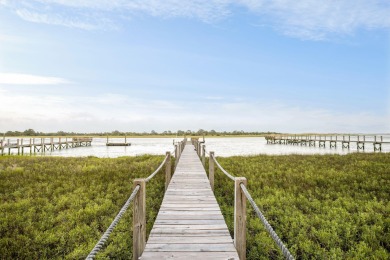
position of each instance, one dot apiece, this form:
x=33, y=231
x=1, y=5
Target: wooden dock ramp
x=189, y=224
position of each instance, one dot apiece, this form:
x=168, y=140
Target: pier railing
x=42, y=144
x=332, y=140
x=138, y=195
x=241, y=195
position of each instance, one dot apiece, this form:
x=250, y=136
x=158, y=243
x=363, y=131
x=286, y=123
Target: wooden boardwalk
x=189, y=224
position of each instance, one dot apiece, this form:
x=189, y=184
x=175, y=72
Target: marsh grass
x=321, y=206
x=57, y=208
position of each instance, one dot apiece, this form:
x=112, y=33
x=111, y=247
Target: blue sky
x=252, y=65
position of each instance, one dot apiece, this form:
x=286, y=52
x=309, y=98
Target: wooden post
x=9, y=148
x=51, y=144
x=167, y=170
x=211, y=170
x=204, y=155
x=176, y=154
x=139, y=220
x=18, y=145
x=21, y=144
x=125, y=139
x=240, y=218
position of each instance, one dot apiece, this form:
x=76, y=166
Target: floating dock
x=118, y=144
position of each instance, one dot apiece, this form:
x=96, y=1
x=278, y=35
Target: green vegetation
x=321, y=206
x=55, y=208
x=116, y=133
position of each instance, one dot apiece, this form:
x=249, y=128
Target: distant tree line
x=200, y=132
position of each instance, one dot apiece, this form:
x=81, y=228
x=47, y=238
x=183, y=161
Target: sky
x=143, y=65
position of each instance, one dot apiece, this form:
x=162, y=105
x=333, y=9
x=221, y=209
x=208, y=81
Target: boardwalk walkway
x=189, y=224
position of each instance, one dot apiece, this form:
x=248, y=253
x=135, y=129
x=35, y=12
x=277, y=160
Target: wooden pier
x=41, y=145
x=332, y=141
x=189, y=224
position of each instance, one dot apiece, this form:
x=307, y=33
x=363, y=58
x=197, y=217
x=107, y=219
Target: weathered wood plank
x=189, y=212
x=190, y=240
x=189, y=222
x=207, y=247
x=188, y=227
x=184, y=217
x=182, y=233
x=190, y=255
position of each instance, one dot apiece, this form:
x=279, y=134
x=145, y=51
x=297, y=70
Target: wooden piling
x=176, y=154
x=240, y=217
x=139, y=220
x=204, y=155
x=211, y=170
x=168, y=170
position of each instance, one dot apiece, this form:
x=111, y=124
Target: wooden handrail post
x=211, y=170
x=176, y=159
x=204, y=155
x=168, y=170
x=139, y=220
x=240, y=218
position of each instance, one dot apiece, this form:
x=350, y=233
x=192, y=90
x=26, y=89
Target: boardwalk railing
x=241, y=194
x=139, y=209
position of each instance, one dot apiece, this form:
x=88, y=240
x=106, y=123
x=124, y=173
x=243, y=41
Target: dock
x=118, y=143
x=332, y=141
x=41, y=145
x=189, y=224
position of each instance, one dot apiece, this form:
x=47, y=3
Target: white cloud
x=72, y=112
x=57, y=19
x=27, y=79
x=308, y=19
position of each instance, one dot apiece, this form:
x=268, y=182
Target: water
x=221, y=146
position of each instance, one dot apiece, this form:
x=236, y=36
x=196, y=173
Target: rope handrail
x=222, y=169
x=109, y=230
x=268, y=227
x=156, y=171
